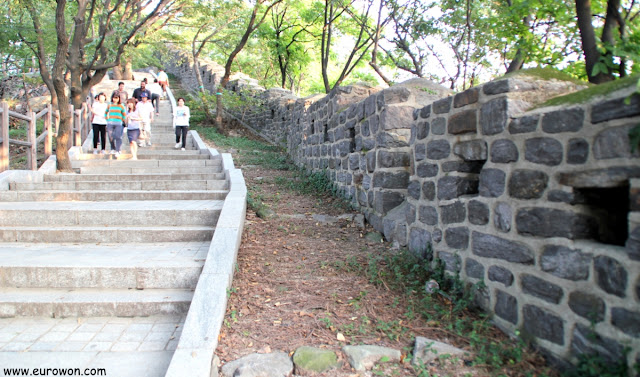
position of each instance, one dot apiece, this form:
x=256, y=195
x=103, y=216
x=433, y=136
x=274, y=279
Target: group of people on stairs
x=111, y=118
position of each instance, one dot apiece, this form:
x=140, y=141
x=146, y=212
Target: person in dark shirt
x=137, y=94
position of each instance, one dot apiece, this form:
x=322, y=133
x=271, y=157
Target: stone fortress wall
x=541, y=204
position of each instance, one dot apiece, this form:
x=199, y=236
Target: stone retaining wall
x=541, y=204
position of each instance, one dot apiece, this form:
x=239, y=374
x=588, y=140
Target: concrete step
x=111, y=213
x=130, y=265
x=37, y=195
x=155, y=154
x=90, y=302
x=146, y=170
x=111, y=234
x=149, y=164
x=130, y=177
x=123, y=185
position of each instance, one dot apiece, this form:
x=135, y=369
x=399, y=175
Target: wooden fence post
x=32, y=150
x=48, y=140
x=4, y=135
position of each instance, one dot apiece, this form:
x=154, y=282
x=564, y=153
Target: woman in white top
x=181, y=116
x=99, y=122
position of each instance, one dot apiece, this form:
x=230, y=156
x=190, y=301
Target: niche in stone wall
x=352, y=140
x=325, y=132
x=610, y=208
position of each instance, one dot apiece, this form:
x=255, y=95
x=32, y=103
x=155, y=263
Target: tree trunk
x=589, y=43
x=117, y=73
x=127, y=74
x=517, y=62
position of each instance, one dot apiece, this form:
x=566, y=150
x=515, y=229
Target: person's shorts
x=133, y=135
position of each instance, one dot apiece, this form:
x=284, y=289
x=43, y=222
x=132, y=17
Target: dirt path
x=299, y=281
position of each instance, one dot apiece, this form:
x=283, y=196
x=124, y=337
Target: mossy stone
x=310, y=359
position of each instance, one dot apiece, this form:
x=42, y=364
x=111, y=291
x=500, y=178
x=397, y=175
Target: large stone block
x=473, y=150
x=385, y=201
x=506, y=306
x=425, y=112
x=439, y=126
x=570, y=120
x=613, y=143
x=387, y=140
x=422, y=130
x=549, y=222
x=527, y=184
x=394, y=117
x=632, y=246
x=414, y=190
x=453, y=213
x=502, y=215
x=387, y=159
x=462, y=123
x=425, y=170
x=524, y=124
x=566, y=263
x=474, y=269
x=611, y=275
x=428, y=215
x=577, y=151
x=493, y=116
x=457, y=238
x=396, y=94
x=496, y=87
x=492, y=182
x=474, y=167
x=489, y=246
x=389, y=180
x=626, y=320
x=504, y=151
x=451, y=187
x=420, y=152
x=467, y=97
x=429, y=190
x=370, y=106
x=451, y=261
x=534, y=286
x=354, y=161
x=585, y=341
x=543, y=324
x=587, y=305
x=615, y=109
x=501, y=275
x=420, y=242
x=478, y=212
x=438, y=149
x=442, y=106
x=543, y=150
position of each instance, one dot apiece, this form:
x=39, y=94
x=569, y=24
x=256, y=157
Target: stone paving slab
x=136, y=347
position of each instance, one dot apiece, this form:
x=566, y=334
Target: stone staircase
x=122, y=242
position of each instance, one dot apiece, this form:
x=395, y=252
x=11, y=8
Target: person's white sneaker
x=148, y=143
x=103, y=152
x=95, y=151
x=112, y=152
x=177, y=145
x=117, y=154
x=182, y=149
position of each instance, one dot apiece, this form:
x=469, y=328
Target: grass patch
x=546, y=73
x=451, y=307
x=591, y=92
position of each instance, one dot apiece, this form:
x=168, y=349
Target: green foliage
x=450, y=307
x=594, y=365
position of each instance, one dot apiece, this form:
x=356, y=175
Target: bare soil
x=291, y=288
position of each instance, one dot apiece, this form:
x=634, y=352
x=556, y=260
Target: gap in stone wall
x=610, y=207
